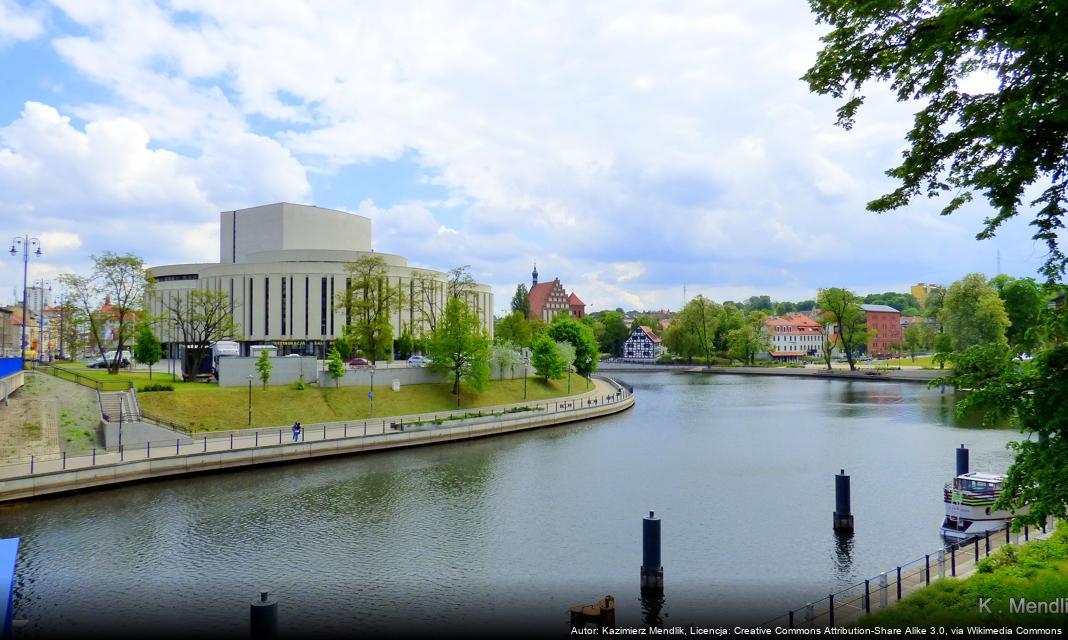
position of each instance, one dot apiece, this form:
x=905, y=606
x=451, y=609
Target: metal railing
x=84, y=380
x=218, y=441
x=847, y=606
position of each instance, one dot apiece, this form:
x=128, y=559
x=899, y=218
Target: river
x=515, y=529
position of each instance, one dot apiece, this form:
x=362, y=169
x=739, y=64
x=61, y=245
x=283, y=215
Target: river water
x=513, y=530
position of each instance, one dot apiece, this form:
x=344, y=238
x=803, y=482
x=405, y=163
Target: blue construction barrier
x=9, y=552
x=9, y=366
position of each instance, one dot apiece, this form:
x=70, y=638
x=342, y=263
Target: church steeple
x=534, y=275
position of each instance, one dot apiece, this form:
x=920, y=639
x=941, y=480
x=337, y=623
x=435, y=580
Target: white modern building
x=283, y=267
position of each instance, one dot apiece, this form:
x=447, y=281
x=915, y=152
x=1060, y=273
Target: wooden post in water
x=263, y=617
x=843, y=518
x=652, y=571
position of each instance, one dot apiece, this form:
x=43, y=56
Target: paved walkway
x=601, y=393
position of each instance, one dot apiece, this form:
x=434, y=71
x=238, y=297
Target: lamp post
x=569, y=379
x=250, y=399
x=174, y=358
x=62, y=313
x=525, y=375
x=26, y=242
x=371, y=393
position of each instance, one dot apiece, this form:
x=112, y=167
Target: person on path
x=296, y=431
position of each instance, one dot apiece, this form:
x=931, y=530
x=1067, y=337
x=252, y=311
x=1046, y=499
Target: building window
x=250, y=325
x=284, y=305
x=266, y=305
x=291, y=306
x=306, y=306
x=322, y=306
x=331, y=305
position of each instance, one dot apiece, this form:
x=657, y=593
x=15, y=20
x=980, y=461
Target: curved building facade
x=282, y=267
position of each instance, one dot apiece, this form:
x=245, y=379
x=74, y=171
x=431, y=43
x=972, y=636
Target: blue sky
x=630, y=148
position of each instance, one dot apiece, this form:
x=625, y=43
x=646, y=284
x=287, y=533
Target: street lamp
x=174, y=359
x=568, y=379
x=371, y=393
x=250, y=399
x=525, y=375
x=26, y=243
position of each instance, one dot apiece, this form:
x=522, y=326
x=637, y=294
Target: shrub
x=148, y=388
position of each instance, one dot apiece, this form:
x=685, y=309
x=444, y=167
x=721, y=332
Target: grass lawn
x=1036, y=572
x=926, y=362
x=139, y=378
x=208, y=407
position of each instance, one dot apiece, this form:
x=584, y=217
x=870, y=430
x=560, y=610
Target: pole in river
x=962, y=460
x=843, y=518
x=652, y=571
x=263, y=617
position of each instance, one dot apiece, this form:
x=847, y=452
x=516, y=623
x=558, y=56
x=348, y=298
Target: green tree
x=615, y=333
x=514, y=328
x=1003, y=143
x=521, y=301
x=751, y=339
x=461, y=348
x=546, y=360
x=566, y=329
x=200, y=318
x=505, y=356
x=1024, y=302
x=147, y=348
x=405, y=344
x=678, y=339
x=264, y=366
x=370, y=301
x=344, y=346
x=973, y=313
x=841, y=308
x=914, y=338
x=335, y=365
x=699, y=318
x=731, y=317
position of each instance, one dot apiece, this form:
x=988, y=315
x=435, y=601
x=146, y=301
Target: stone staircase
x=116, y=405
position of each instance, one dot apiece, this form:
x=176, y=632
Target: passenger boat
x=969, y=505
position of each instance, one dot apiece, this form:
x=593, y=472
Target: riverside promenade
x=219, y=451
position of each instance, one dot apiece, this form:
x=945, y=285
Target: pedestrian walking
x=296, y=431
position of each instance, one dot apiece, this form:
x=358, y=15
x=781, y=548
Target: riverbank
x=867, y=373
x=256, y=447
x=1035, y=574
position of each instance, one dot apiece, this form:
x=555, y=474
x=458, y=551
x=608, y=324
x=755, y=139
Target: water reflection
x=843, y=557
x=652, y=607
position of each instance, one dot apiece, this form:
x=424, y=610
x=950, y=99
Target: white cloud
x=676, y=137
x=18, y=23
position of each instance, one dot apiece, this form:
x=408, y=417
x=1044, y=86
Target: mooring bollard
x=652, y=574
x=843, y=518
x=962, y=460
x=927, y=568
x=899, y=583
x=263, y=617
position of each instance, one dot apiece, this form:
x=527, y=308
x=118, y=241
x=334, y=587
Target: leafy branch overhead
x=1009, y=144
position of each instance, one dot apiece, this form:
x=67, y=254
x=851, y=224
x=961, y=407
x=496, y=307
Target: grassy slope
x=209, y=407
x=1036, y=572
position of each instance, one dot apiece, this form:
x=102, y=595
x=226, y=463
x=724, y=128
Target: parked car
x=359, y=362
x=102, y=363
x=418, y=361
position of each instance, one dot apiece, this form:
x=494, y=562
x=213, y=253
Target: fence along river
x=740, y=468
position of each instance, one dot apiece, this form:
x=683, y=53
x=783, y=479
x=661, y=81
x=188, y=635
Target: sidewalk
x=601, y=393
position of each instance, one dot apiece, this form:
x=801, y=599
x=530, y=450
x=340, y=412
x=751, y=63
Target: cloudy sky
x=631, y=148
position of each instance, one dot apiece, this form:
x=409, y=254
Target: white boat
x=969, y=505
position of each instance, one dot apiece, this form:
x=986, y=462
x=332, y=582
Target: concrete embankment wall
x=162, y=467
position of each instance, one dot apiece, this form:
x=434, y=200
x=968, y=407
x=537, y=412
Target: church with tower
x=549, y=298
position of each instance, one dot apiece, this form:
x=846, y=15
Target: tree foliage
x=566, y=329
x=751, y=339
x=201, y=317
x=513, y=328
x=697, y=323
x=264, y=366
x=1024, y=302
x=521, y=301
x=461, y=348
x=615, y=333
x=335, y=365
x=547, y=361
x=973, y=313
x=1004, y=143
x=841, y=308
x=147, y=348
x=369, y=301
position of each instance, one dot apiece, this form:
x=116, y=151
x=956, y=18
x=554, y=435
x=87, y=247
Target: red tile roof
x=574, y=300
x=649, y=332
x=539, y=295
